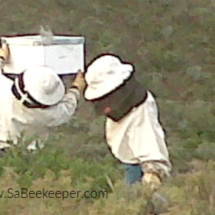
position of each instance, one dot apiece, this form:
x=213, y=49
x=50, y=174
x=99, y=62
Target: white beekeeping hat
x=40, y=85
x=104, y=75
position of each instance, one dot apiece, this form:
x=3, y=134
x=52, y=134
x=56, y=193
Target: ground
x=172, y=45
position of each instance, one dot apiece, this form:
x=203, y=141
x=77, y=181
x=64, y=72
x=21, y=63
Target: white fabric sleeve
x=63, y=111
x=1, y=64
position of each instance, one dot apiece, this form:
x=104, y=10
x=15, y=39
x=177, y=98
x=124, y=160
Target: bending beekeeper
x=132, y=128
x=35, y=102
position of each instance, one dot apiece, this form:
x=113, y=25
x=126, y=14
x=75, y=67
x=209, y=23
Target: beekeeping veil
x=38, y=87
x=112, y=87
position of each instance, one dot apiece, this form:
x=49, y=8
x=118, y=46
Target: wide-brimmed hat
x=104, y=75
x=40, y=84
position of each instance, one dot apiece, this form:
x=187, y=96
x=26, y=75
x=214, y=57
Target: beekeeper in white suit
x=132, y=129
x=35, y=102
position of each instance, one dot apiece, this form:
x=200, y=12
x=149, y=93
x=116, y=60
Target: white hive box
x=65, y=54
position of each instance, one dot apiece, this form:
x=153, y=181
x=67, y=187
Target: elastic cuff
x=74, y=87
x=76, y=92
x=2, y=60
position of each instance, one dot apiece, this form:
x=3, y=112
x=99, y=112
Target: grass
x=172, y=47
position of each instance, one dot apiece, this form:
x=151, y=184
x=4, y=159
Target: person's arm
x=65, y=109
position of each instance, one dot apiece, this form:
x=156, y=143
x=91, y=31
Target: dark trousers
x=133, y=173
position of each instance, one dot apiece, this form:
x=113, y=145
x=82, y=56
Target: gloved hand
x=79, y=81
x=152, y=180
x=4, y=51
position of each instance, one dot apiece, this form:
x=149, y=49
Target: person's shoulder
x=5, y=84
x=5, y=79
x=3, y=76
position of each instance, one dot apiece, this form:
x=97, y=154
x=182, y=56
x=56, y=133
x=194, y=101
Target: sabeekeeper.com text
x=25, y=193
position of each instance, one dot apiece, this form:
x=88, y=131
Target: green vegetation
x=173, y=49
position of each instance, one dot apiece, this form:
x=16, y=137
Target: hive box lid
x=35, y=40
x=65, y=54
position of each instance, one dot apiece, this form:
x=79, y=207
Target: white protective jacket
x=139, y=137
x=16, y=119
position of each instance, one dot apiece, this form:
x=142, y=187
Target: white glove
x=79, y=81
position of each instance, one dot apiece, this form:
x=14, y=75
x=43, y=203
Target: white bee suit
x=16, y=119
x=139, y=137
